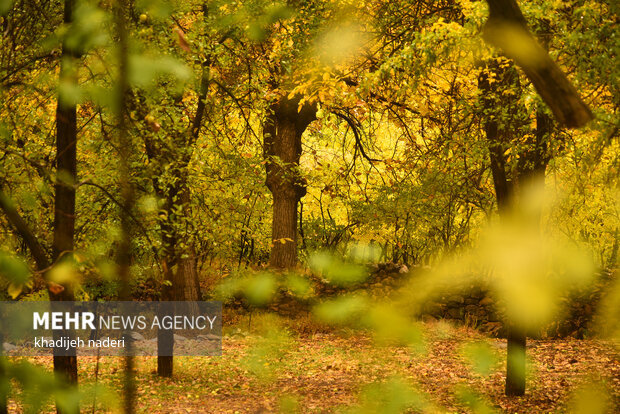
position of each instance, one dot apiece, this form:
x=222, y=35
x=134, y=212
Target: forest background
x=262, y=153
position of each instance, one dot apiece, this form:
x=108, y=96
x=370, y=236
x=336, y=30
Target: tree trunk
x=179, y=262
x=282, y=133
x=65, y=367
x=284, y=232
x=515, y=361
x=530, y=171
x=498, y=136
x=4, y=380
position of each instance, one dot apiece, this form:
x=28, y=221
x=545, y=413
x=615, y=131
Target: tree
x=66, y=177
x=65, y=367
x=283, y=128
x=507, y=29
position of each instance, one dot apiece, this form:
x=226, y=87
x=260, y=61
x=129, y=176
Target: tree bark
x=284, y=126
x=284, y=232
x=515, y=361
x=4, y=380
x=497, y=136
x=180, y=275
x=507, y=29
x=65, y=367
x=181, y=281
x=530, y=170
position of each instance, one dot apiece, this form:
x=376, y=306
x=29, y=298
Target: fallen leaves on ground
x=325, y=372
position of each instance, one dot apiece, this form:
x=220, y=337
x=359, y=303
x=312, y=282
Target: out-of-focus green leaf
x=5, y=6
x=259, y=290
x=144, y=70
x=14, y=270
x=481, y=357
x=336, y=271
x=591, y=398
x=158, y=9
x=391, y=326
x=474, y=401
x=298, y=285
x=341, y=310
x=63, y=273
x=392, y=396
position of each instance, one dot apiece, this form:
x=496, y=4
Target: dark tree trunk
x=284, y=232
x=65, y=367
x=497, y=135
x=181, y=282
x=4, y=380
x=282, y=133
x=530, y=171
x=515, y=361
x=179, y=257
x=507, y=29
x=124, y=254
x=180, y=275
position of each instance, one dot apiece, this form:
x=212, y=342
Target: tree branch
x=358, y=141
x=24, y=231
x=507, y=30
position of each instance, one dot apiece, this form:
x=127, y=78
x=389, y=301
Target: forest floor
x=331, y=372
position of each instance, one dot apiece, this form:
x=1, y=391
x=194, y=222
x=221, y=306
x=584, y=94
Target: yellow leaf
x=14, y=290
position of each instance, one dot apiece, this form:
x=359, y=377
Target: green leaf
x=260, y=289
x=341, y=310
x=5, y=6
x=13, y=269
x=481, y=357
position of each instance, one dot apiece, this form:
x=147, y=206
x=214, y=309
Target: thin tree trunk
x=497, y=137
x=4, y=380
x=124, y=255
x=180, y=271
x=65, y=367
x=530, y=171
